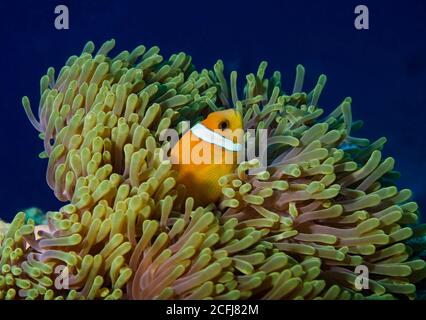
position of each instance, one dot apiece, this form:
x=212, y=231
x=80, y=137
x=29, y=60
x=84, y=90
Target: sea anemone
x=298, y=229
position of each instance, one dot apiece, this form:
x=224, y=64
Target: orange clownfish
x=208, y=151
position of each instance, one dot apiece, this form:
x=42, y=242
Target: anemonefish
x=206, y=152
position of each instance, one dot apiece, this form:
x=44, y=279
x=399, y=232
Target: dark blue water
x=383, y=68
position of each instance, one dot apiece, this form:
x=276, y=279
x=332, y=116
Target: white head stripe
x=210, y=136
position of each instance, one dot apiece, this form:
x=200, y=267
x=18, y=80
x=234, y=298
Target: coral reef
x=326, y=203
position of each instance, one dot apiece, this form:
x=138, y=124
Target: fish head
x=228, y=123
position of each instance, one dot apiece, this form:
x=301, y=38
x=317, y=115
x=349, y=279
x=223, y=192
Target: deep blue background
x=383, y=69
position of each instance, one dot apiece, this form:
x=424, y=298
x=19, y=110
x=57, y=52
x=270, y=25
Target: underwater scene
x=224, y=151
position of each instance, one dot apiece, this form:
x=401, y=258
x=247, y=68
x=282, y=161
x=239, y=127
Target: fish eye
x=224, y=125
